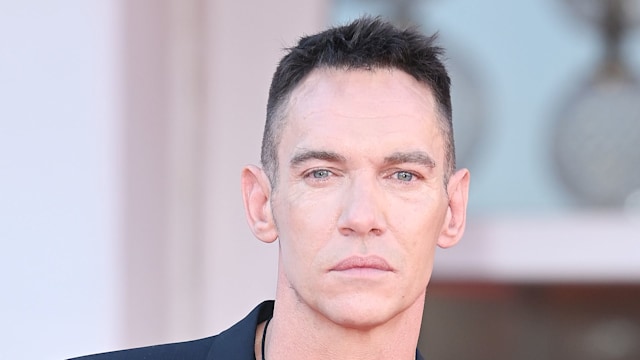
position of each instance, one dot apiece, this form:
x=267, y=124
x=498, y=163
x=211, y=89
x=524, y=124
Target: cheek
x=311, y=213
x=305, y=226
x=418, y=221
x=418, y=228
x=419, y=250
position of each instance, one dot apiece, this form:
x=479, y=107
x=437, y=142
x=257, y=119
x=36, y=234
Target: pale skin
x=359, y=208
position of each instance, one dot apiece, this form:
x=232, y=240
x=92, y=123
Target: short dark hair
x=366, y=43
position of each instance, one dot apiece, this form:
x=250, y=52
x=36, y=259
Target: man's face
x=360, y=203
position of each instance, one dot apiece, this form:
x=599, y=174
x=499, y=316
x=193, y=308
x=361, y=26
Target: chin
x=360, y=312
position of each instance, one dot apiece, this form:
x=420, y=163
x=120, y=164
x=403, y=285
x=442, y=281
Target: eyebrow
x=306, y=155
x=416, y=157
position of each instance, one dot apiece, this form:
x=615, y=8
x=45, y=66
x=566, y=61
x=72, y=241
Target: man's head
x=360, y=204
x=365, y=44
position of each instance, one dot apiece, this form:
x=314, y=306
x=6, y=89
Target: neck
x=298, y=332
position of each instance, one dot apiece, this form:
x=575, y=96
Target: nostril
x=345, y=231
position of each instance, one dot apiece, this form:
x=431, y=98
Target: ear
x=256, y=192
x=455, y=220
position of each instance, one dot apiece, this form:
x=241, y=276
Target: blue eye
x=404, y=176
x=320, y=174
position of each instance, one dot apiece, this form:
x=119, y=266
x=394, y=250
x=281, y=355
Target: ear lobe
x=256, y=192
x=455, y=220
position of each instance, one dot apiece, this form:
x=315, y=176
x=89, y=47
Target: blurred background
x=124, y=126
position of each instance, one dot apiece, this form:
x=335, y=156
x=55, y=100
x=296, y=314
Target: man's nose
x=362, y=209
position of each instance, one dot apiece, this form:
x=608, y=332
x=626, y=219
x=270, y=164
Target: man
x=359, y=186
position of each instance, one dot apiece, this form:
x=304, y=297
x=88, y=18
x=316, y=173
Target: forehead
x=355, y=105
x=361, y=93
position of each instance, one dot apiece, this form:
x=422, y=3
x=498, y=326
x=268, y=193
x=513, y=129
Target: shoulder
x=197, y=349
x=235, y=343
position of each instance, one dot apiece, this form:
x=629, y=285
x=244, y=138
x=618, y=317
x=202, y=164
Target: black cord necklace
x=264, y=337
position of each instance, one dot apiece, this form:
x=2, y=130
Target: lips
x=359, y=262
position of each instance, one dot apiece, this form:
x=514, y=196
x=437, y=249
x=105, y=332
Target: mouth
x=362, y=263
